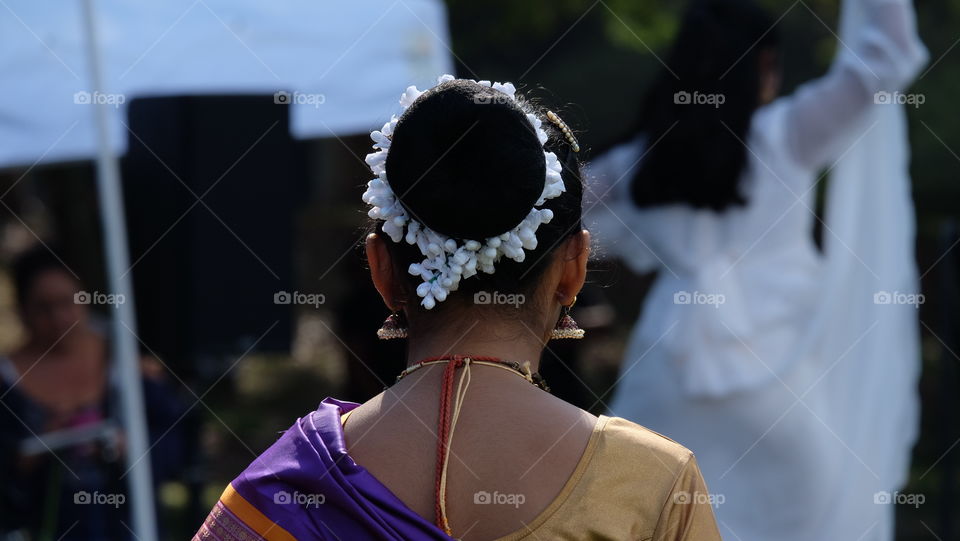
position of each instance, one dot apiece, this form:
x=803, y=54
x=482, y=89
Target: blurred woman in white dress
x=789, y=370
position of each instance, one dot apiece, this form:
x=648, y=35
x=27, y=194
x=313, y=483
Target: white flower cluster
x=447, y=260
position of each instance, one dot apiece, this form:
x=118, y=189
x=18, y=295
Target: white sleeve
x=881, y=57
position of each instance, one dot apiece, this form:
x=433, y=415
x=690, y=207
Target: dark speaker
x=211, y=186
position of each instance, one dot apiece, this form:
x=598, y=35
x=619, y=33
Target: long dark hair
x=697, y=114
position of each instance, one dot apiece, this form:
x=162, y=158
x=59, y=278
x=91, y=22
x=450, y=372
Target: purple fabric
x=308, y=484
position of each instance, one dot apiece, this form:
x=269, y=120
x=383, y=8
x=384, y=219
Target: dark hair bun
x=465, y=161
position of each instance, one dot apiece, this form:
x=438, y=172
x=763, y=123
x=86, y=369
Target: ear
x=381, y=271
x=575, y=254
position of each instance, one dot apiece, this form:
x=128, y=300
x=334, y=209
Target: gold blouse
x=631, y=484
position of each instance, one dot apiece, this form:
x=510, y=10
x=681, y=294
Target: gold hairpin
x=567, y=132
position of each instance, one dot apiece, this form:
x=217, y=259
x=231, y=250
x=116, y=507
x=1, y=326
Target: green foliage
x=643, y=26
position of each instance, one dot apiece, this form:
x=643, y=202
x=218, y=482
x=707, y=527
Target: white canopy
x=348, y=62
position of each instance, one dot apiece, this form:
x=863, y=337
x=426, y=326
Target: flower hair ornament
x=448, y=260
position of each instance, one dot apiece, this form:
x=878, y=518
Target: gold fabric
x=630, y=484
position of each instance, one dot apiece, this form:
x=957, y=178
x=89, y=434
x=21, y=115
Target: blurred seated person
x=61, y=449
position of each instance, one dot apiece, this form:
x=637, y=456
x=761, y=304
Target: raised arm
x=879, y=55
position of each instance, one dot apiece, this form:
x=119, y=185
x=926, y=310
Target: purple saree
x=305, y=486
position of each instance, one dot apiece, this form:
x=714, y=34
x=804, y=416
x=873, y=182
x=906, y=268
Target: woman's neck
x=514, y=342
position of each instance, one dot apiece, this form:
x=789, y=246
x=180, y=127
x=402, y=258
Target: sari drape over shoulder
x=305, y=486
x=630, y=483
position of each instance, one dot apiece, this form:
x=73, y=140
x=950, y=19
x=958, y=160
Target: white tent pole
x=125, y=351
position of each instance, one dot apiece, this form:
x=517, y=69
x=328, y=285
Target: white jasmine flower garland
x=447, y=260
